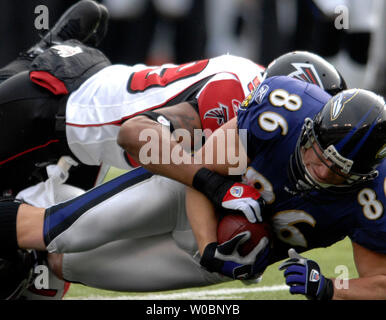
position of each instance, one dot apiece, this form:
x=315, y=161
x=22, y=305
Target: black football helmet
x=350, y=132
x=309, y=67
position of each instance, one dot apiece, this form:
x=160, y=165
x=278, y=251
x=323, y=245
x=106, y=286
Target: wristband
x=328, y=291
x=212, y=184
x=208, y=261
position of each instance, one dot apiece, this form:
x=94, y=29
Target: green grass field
x=328, y=259
x=270, y=288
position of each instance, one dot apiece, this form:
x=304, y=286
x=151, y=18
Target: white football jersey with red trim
x=97, y=109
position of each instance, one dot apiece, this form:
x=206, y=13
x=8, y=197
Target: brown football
x=233, y=224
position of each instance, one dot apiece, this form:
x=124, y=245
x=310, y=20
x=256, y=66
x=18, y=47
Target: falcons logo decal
x=221, y=114
x=306, y=72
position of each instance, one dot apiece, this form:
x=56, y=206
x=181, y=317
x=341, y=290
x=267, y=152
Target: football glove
x=304, y=277
x=228, y=194
x=225, y=259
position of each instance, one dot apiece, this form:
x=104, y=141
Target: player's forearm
x=366, y=288
x=151, y=145
x=29, y=227
x=202, y=218
x=21, y=226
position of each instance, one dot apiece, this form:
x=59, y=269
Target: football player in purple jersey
x=332, y=81
x=321, y=188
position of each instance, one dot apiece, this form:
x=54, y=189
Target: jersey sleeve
x=219, y=100
x=268, y=113
x=277, y=109
x=370, y=230
x=374, y=240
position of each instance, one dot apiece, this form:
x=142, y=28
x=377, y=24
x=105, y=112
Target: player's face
x=318, y=169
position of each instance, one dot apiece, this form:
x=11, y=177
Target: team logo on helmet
x=306, y=72
x=221, y=114
x=338, y=105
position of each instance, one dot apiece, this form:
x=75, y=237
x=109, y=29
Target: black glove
x=304, y=277
x=225, y=259
x=228, y=194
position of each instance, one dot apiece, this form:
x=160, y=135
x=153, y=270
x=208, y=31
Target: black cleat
x=85, y=21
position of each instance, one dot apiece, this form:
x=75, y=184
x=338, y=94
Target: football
x=233, y=224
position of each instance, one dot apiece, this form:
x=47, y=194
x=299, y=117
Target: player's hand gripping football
x=225, y=259
x=229, y=194
x=304, y=277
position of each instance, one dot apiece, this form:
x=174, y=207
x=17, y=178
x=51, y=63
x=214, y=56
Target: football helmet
x=309, y=67
x=350, y=132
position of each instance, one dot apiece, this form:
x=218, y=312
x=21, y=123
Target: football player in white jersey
x=86, y=108
x=82, y=114
x=94, y=113
x=96, y=109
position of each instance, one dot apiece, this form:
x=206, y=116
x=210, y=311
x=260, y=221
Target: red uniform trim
x=43, y=292
x=48, y=81
x=27, y=151
x=131, y=161
x=66, y=288
x=219, y=102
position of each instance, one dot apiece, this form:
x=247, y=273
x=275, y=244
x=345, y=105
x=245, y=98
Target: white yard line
x=216, y=294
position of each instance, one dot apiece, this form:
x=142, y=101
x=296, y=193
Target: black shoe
x=85, y=21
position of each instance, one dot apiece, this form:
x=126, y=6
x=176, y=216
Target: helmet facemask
x=338, y=164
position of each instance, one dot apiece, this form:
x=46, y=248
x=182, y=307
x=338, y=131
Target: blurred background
x=349, y=33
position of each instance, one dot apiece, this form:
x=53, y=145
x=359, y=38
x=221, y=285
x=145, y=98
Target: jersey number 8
x=372, y=208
